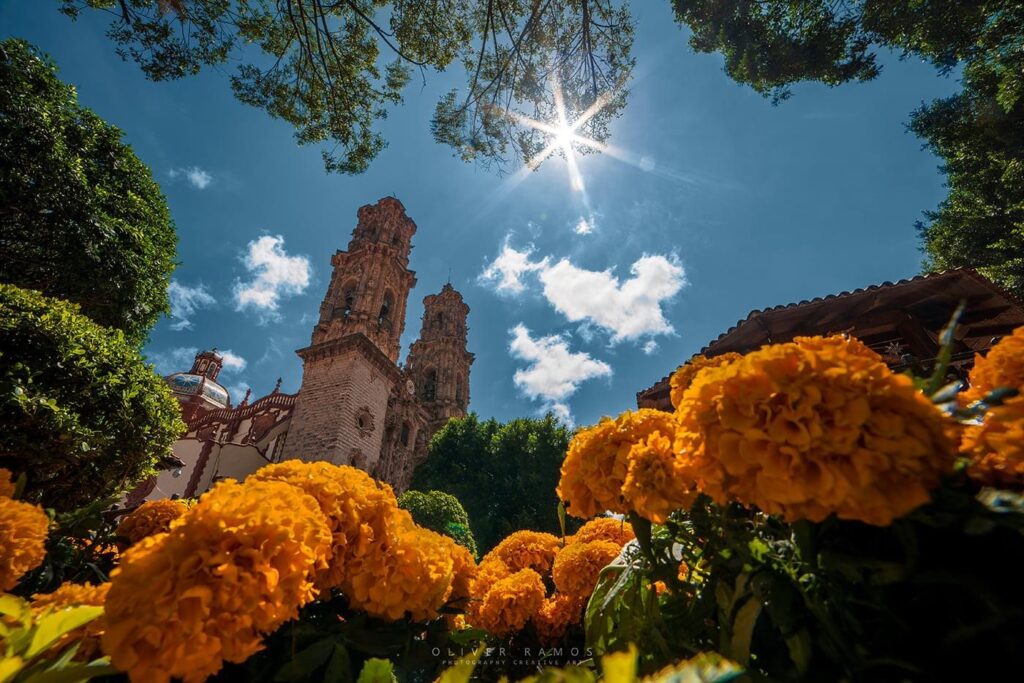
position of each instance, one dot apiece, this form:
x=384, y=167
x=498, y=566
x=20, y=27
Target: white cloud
x=554, y=372
x=584, y=227
x=237, y=392
x=185, y=301
x=275, y=275
x=629, y=309
x=232, y=362
x=197, y=177
x=507, y=269
x=650, y=347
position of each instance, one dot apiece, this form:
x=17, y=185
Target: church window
x=385, y=310
x=460, y=393
x=349, y=300
x=211, y=371
x=430, y=386
x=405, y=434
x=439, y=320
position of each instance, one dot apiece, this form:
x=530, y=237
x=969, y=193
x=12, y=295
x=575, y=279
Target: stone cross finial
x=277, y=387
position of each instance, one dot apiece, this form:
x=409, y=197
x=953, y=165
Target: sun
x=563, y=135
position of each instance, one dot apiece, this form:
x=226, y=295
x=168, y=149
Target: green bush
x=82, y=415
x=81, y=218
x=504, y=474
x=440, y=512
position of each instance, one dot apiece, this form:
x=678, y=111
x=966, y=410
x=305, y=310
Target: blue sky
x=732, y=204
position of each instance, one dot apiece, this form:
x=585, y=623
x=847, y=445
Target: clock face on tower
x=410, y=387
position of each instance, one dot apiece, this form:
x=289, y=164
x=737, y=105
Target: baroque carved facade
x=356, y=405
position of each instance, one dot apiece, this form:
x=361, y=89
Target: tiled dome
x=189, y=384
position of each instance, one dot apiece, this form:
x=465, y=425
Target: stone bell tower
x=438, y=361
x=350, y=367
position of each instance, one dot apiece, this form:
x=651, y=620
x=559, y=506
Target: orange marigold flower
x=488, y=572
x=510, y=603
x=617, y=531
x=6, y=483
x=74, y=595
x=578, y=566
x=235, y=566
x=526, y=549
x=357, y=508
x=683, y=376
x=996, y=446
x=596, y=465
x=657, y=480
x=463, y=572
x=1002, y=367
x=413, y=573
x=152, y=517
x=814, y=427
x=23, y=529
x=555, y=615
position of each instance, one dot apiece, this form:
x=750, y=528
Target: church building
x=356, y=405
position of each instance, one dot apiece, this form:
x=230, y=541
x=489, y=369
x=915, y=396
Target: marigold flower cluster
x=510, y=589
x=617, y=531
x=1002, y=367
x=23, y=529
x=152, y=517
x=357, y=508
x=235, y=566
x=385, y=564
x=624, y=465
x=243, y=560
x=74, y=595
x=683, y=377
x=578, y=566
x=6, y=484
x=414, y=572
x=995, y=447
x=814, y=427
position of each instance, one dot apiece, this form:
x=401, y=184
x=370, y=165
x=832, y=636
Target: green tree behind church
x=978, y=134
x=503, y=474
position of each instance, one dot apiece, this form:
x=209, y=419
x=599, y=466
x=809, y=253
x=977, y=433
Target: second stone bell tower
x=349, y=368
x=438, y=361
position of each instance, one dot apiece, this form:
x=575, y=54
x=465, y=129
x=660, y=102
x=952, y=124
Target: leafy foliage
x=81, y=218
x=28, y=641
x=503, y=474
x=324, y=645
x=318, y=64
x=978, y=134
x=440, y=512
x=84, y=417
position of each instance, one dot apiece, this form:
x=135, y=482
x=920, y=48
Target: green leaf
x=75, y=673
x=462, y=672
x=339, y=667
x=51, y=627
x=13, y=606
x=305, y=662
x=946, y=340
x=377, y=671
x=743, y=630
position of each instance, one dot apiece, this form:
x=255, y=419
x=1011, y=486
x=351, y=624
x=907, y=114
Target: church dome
x=201, y=381
x=187, y=384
